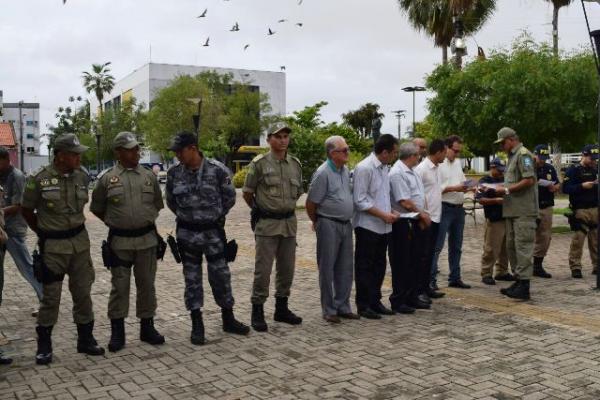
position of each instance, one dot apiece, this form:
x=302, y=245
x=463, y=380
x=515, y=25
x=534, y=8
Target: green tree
x=99, y=81
x=434, y=17
x=544, y=98
x=128, y=118
x=361, y=120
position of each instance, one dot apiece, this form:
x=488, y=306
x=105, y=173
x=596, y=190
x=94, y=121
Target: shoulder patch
x=258, y=158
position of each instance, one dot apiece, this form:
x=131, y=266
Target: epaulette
x=258, y=158
x=103, y=172
x=524, y=151
x=84, y=170
x=296, y=159
x=38, y=171
x=216, y=163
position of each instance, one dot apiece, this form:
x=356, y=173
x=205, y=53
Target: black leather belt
x=66, y=234
x=131, y=232
x=190, y=226
x=271, y=215
x=452, y=205
x=339, y=221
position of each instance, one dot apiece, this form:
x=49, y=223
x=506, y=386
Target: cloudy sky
x=348, y=52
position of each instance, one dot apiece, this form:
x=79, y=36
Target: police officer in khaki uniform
x=520, y=210
x=272, y=187
x=127, y=197
x=53, y=204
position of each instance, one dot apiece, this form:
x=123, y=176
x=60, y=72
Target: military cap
x=125, y=140
x=69, y=142
x=505, y=133
x=279, y=127
x=590, y=150
x=498, y=164
x=542, y=152
x=183, y=140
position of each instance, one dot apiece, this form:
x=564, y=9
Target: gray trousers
x=335, y=260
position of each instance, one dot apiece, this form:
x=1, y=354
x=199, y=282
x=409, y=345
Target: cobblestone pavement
x=474, y=344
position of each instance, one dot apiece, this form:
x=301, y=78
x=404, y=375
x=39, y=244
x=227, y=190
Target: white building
x=25, y=118
x=144, y=83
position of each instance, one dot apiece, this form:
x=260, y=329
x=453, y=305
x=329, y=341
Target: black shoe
x=505, y=277
x=434, y=286
x=520, y=291
x=418, y=304
x=232, y=325
x=117, y=335
x=459, y=284
x=348, y=315
x=5, y=360
x=148, y=332
x=381, y=309
x=434, y=294
x=86, y=343
x=43, y=355
x=197, y=336
x=258, y=318
x=403, y=309
x=594, y=271
x=540, y=272
x=424, y=298
x=488, y=280
x=576, y=273
x=283, y=313
x=369, y=314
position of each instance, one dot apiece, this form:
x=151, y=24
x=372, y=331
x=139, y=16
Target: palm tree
x=434, y=17
x=557, y=5
x=99, y=81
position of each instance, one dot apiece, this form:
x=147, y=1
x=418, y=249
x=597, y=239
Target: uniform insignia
x=258, y=158
x=114, y=179
x=527, y=161
x=45, y=182
x=31, y=184
x=148, y=183
x=54, y=181
x=549, y=177
x=50, y=204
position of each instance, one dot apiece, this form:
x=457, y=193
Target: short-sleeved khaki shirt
x=128, y=198
x=277, y=186
x=59, y=201
x=523, y=203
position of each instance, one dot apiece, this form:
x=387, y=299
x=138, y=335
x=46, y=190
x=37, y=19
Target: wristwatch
x=506, y=191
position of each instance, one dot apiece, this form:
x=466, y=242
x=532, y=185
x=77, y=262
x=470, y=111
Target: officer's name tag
x=50, y=188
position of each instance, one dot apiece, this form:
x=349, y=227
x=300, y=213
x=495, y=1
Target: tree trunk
x=555, y=30
x=445, y=55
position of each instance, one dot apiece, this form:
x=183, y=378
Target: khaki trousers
x=520, y=236
x=269, y=248
x=588, y=216
x=494, y=249
x=543, y=233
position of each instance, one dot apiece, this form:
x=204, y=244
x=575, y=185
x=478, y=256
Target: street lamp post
x=595, y=41
x=98, y=153
x=196, y=117
x=414, y=89
x=399, y=114
x=21, y=146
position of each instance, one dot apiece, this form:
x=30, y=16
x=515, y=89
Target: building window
x=30, y=136
x=31, y=123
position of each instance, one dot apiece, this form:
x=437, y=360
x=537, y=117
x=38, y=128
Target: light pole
x=196, y=117
x=399, y=114
x=21, y=146
x=98, y=152
x=595, y=41
x=414, y=89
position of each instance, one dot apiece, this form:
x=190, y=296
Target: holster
x=161, y=248
x=109, y=258
x=40, y=270
x=254, y=217
x=174, y=248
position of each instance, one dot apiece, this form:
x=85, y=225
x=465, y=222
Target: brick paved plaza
x=474, y=344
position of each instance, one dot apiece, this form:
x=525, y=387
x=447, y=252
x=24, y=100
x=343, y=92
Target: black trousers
x=432, y=233
x=369, y=266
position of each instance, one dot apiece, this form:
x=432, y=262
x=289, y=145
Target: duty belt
x=131, y=232
x=271, y=215
x=190, y=226
x=66, y=234
x=340, y=221
x=445, y=203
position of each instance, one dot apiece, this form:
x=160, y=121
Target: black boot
x=148, y=333
x=258, y=318
x=117, y=334
x=232, y=325
x=197, y=336
x=520, y=291
x=283, y=313
x=86, y=343
x=5, y=360
x=538, y=268
x=43, y=355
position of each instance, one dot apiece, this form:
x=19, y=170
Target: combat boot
x=538, y=268
x=258, y=318
x=43, y=355
x=197, y=336
x=283, y=313
x=231, y=325
x=86, y=343
x=148, y=332
x=519, y=291
x=117, y=335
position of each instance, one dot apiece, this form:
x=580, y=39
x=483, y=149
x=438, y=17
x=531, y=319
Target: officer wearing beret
x=581, y=184
x=127, y=198
x=53, y=204
x=272, y=187
x=548, y=184
x=200, y=193
x=519, y=209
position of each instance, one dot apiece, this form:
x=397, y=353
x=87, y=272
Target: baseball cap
x=183, y=140
x=279, y=127
x=591, y=150
x=542, y=152
x=125, y=140
x=498, y=164
x=505, y=133
x=69, y=142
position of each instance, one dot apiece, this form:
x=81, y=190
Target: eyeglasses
x=345, y=150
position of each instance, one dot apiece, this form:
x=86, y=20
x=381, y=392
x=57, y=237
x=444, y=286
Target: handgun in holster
x=172, y=242
x=161, y=248
x=41, y=272
x=230, y=247
x=575, y=223
x=254, y=217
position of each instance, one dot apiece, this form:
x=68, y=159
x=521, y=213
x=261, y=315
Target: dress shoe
x=505, y=277
x=488, y=280
x=424, y=298
x=418, y=304
x=334, y=319
x=435, y=295
x=381, y=309
x=349, y=315
x=369, y=314
x=403, y=309
x=459, y=284
x=576, y=273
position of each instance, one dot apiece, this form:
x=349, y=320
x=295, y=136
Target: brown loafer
x=334, y=319
x=349, y=315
